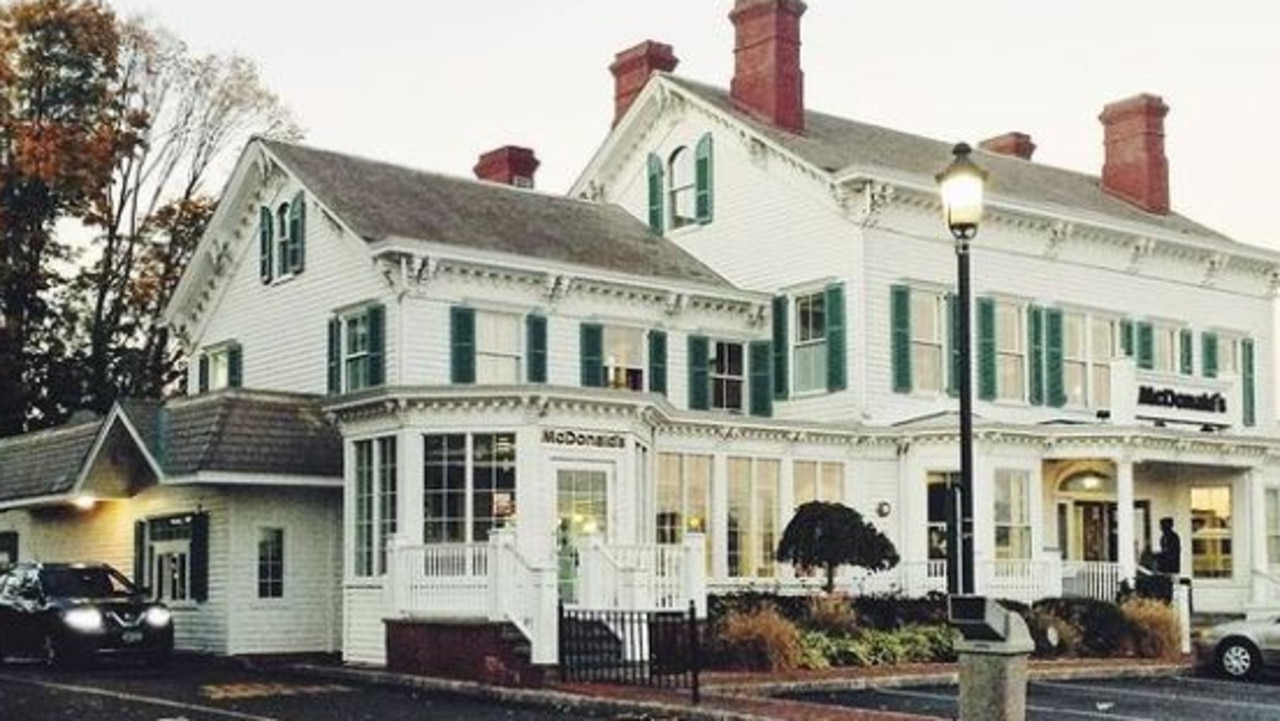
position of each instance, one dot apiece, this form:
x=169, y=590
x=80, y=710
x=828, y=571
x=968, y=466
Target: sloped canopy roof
x=230, y=431
x=380, y=200
x=839, y=145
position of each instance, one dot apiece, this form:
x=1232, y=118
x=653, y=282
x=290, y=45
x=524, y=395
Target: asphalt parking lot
x=195, y=689
x=1189, y=698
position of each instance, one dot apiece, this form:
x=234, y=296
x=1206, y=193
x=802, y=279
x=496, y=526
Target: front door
x=582, y=508
x=1095, y=531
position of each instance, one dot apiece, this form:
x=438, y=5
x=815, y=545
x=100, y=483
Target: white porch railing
x=441, y=579
x=1091, y=579
x=525, y=595
x=1023, y=579
x=642, y=577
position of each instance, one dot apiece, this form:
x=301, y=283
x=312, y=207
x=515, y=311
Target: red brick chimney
x=1136, y=168
x=1018, y=145
x=631, y=69
x=509, y=165
x=767, y=80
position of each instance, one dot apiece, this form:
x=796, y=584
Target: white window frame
x=619, y=370
x=723, y=378
x=759, y=532
x=1166, y=347
x=1215, y=537
x=271, y=562
x=809, y=350
x=936, y=529
x=498, y=347
x=925, y=347
x=375, y=507
x=1100, y=359
x=682, y=191
x=1077, y=358
x=1011, y=357
x=219, y=360
x=503, y=502
x=1011, y=510
x=1272, y=524
x=356, y=348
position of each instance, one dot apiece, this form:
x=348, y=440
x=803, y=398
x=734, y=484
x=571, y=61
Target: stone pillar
x=993, y=684
x=1125, y=537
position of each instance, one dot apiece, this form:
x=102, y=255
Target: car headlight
x=158, y=617
x=83, y=619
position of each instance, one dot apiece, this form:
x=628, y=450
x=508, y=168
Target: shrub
x=760, y=639
x=890, y=612
x=831, y=614
x=1102, y=627
x=818, y=649
x=1155, y=627
x=793, y=608
x=1053, y=636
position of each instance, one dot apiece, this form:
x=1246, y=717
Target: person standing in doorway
x=1169, y=560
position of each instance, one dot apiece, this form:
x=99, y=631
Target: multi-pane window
x=375, y=504
x=818, y=481
x=936, y=493
x=684, y=496
x=927, y=354
x=683, y=193
x=1165, y=348
x=1011, y=361
x=1273, y=526
x=469, y=485
x=1211, y=550
x=1013, y=514
x=811, y=343
x=624, y=361
x=1102, y=350
x=1228, y=355
x=753, y=517
x=168, y=542
x=282, y=241
x=1075, y=359
x=356, y=347
x=728, y=377
x=271, y=563
x=498, y=342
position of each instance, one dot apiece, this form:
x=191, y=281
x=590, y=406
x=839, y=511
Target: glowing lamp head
x=962, y=185
x=84, y=503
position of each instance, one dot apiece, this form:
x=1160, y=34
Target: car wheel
x=1237, y=658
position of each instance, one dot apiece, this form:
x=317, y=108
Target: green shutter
x=462, y=342
x=535, y=327
x=1186, y=365
x=200, y=557
x=656, y=191
x=1146, y=346
x=900, y=340
x=837, y=335
x=704, y=169
x=1054, y=368
x=377, y=346
x=139, y=554
x=760, y=358
x=235, y=367
x=658, y=361
x=1248, y=383
x=203, y=377
x=297, y=232
x=986, y=349
x=953, y=344
x=1035, y=338
x=264, y=243
x=1209, y=355
x=699, y=373
x=1126, y=337
x=780, y=345
x=335, y=355
x=591, y=353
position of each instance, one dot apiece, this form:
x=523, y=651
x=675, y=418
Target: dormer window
x=282, y=239
x=680, y=192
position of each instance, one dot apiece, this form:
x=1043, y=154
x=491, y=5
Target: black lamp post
x=961, y=186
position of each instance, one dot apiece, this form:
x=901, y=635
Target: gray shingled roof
x=837, y=144
x=379, y=200
x=46, y=462
x=232, y=431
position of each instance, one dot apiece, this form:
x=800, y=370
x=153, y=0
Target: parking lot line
x=135, y=698
x=1159, y=696
x=1058, y=712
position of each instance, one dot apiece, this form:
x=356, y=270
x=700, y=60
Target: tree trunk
x=831, y=578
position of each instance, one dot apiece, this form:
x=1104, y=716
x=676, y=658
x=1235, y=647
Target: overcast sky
x=433, y=84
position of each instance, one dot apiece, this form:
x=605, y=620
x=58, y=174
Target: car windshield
x=86, y=583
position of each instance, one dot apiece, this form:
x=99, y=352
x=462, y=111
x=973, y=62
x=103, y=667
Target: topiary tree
x=830, y=535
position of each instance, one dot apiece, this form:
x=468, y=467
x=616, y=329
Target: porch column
x=1125, y=537
x=1257, y=494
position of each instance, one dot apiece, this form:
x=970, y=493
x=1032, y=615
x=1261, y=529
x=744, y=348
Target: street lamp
x=961, y=186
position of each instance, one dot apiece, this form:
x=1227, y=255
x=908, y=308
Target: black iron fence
x=639, y=648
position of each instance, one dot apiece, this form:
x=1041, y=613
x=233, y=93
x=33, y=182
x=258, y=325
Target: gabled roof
x=257, y=433
x=379, y=201
x=840, y=146
x=45, y=463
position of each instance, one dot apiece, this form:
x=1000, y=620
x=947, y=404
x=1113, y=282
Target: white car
x=1239, y=649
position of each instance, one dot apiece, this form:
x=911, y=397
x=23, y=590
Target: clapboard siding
x=364, y=608
x=282, y=326
x=105, y=534
x=305, y=618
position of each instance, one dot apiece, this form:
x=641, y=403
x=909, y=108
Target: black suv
x=67, y=612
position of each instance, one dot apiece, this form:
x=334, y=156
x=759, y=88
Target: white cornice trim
x=261, y=480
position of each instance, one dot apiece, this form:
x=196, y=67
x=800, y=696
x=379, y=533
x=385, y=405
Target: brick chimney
x=631, y=69
x=509, y=165
x=767, y=80
x=1136, y=168
x=1018, y=145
